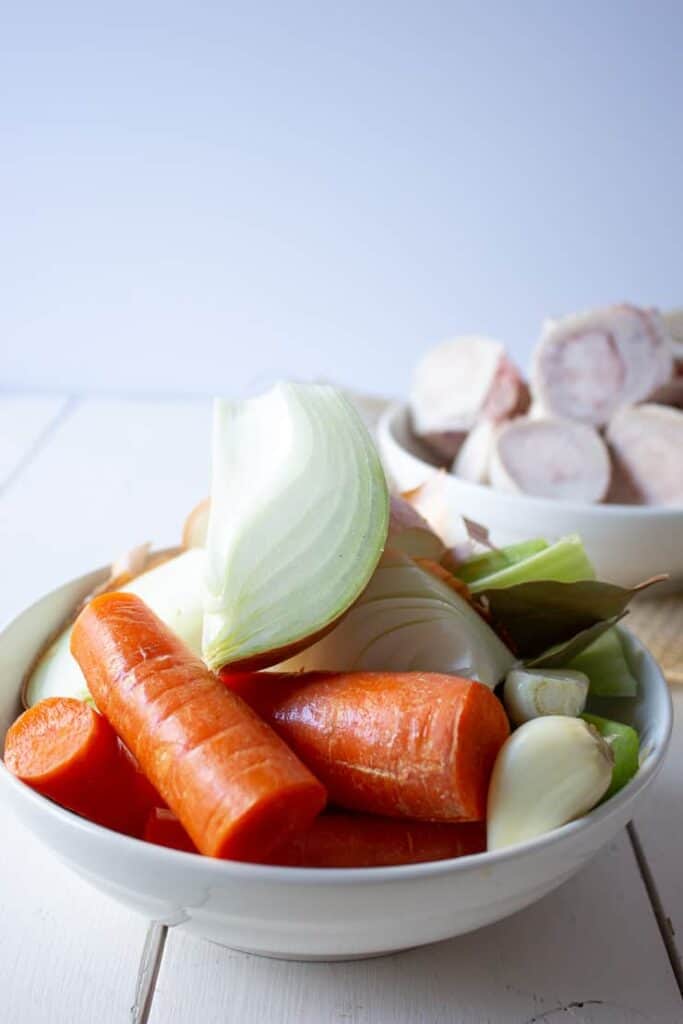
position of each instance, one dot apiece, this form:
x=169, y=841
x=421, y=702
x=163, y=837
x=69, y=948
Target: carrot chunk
x=231, y=781
x=163, y=828
x=340, y=840
x=68, y=752
x=415, y=745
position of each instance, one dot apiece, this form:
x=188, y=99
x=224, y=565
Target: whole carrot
x=339, y=840
x=232, y=782
x=68, y=752
x=415, y=745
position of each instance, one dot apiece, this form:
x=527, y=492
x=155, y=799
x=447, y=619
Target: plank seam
x=34, y=449
x=155, y=940
x=148, y=972
x=663, y=921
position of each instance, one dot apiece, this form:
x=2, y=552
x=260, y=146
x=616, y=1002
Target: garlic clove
x=531, y=693
x=550, y=771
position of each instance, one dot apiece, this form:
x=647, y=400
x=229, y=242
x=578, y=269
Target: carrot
x=338, y=840
x=231, y=781
x=163, y=828
x=416, y=745
x=68, y=752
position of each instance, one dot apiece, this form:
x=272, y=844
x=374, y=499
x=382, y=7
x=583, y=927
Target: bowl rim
x=386, y=433
x=196, y=863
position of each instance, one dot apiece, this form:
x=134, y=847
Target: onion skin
x=196, y=525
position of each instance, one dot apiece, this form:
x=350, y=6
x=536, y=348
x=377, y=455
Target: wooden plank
x=67, y=952
x=122, y=472
x=659, y=831
x=589, y=952
x=119, y=472
x=24, y=419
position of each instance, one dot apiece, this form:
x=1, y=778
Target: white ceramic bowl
x=626, y=543
x=315, y=914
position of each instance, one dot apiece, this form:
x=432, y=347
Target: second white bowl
x=626, y=543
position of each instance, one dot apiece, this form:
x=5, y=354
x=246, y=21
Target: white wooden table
x=84, y=479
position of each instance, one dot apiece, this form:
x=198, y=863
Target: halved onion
x=408, y=530
x=408, y=620
x=298, y=521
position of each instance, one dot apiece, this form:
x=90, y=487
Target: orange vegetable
x=339, y=840
x=416, y=745
x=233, y=784
x=68, y=752
x=163, y=828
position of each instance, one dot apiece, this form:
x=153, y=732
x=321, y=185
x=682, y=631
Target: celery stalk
x=565, y=561
x=502, y=558
x=605, y=665
x=625, y=745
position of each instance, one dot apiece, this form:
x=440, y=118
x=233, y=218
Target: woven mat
x=658, y=621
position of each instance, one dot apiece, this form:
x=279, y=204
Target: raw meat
x=647, y=445
x=674, y=322
x=458, y=384
x=550, y=458
x=586, y=366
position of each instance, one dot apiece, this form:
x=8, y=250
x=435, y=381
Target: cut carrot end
x=271, y=822
x=163, y=828
x=56, y=741
x=482, y=729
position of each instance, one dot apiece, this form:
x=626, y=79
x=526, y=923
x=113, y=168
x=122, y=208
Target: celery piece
x=565, y=561
x=605, y=665
x=625, y=746
x=502, y=558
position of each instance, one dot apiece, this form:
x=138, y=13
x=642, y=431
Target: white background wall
x=199, y=196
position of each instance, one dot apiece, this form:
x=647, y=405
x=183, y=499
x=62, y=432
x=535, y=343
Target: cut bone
x=647, y=444
x=674, y=322
x=586, y=366
x=458, y=384
x=550, y=458
x=473, y=460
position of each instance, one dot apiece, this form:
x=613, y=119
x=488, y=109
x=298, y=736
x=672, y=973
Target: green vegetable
x=605, y=665
x=543, y=613
x=491, y=562
x=565, y=561
x=298, y=521
x=562, y=654
x=625, y=746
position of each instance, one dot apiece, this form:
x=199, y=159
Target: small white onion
x=530, y=693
